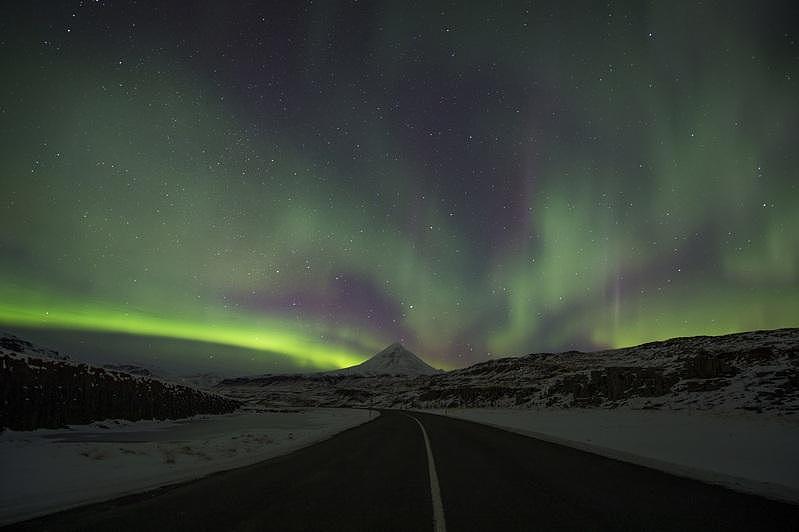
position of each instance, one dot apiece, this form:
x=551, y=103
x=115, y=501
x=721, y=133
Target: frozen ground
x=745, y=451
x=49, y=470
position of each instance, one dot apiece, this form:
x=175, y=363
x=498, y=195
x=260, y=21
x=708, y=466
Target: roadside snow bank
x=47, y=470
x=745, y=452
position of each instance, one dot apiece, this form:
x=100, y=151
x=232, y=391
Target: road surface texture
x=376, y=477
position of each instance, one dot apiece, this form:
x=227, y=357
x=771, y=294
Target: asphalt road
x=375, y=477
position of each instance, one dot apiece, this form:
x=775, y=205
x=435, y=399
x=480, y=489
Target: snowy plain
x=48, y=470
x=742, y=451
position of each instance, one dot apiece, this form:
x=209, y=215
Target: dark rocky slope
x=41, y=392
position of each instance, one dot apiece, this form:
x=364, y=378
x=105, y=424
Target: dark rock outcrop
x=613, y=384
x=48, y=393
x=705, y=365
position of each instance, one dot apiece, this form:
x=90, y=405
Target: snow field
x=48, y=470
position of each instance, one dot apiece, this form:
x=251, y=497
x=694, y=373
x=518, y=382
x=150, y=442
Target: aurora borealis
x=307, y=182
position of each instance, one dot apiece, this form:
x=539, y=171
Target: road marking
x=435, y=492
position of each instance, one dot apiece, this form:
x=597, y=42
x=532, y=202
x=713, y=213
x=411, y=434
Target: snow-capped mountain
x=393, y=360
x=755, y=371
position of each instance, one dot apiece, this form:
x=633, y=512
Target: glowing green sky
x=307, y=184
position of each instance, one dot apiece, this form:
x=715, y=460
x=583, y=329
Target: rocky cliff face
x=755, y=371
x=39, y=392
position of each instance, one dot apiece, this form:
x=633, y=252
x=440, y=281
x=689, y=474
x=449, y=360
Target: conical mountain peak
x=393, y=360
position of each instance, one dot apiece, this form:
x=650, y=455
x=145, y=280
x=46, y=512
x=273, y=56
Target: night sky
x=275, y=186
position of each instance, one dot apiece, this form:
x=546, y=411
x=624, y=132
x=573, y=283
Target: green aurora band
x=587, y=196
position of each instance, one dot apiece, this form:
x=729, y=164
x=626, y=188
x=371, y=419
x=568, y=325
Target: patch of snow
x=742, y=451
x=48, y=470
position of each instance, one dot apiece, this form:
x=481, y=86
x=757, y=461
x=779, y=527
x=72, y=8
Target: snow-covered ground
x=742, y=451
x=48, y=470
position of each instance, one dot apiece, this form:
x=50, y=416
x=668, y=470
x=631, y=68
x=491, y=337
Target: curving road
x=378, y=477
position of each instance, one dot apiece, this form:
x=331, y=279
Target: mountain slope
x=756, y=371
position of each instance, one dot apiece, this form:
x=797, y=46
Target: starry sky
x=284, y=186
